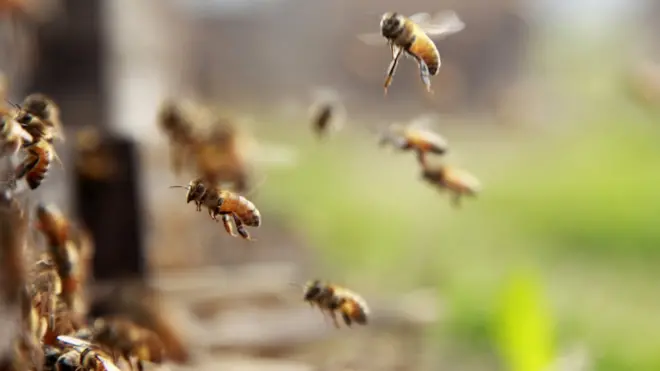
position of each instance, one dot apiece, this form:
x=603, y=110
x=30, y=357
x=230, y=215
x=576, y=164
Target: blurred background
x=550, y=103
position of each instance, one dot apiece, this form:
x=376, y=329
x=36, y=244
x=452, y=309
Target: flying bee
x=332, y=299
x=12, y=135
x=327, y=113
x=36, y=164
x=228, y=204
x=178, y=127
x=84, y=355
x=131, y=341
x=40, y=117
x=416, y=136
x=460, y=183
x=412, y=36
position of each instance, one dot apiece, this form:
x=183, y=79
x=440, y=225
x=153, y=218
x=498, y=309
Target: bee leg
x=425, y=75
x=240, y=227
x=397, y=52
x=347, y=319
x=334, y=319
x=226, y=221
x=421, y=157
x=456, y=200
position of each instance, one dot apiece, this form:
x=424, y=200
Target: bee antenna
x=13, y=104
x=178, y=186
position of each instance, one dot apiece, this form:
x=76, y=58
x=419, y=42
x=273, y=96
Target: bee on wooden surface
x=416, y=136
x=228, y=204
x=46, y=286
x=332, y=299
x=83, y=355
x=458, y=182
x=412, y=36
x=131, y=341
x=12, y=136
x=327, y=113
x=40, y=117
x=36, y=164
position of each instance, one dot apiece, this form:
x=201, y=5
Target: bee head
x=196, y=189
x=313, y=289
x=391, y=24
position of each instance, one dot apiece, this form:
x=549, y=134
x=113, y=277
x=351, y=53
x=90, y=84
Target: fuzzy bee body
x=422, y=141
x=412, y=36
x=36, y=164
x=13, y=136
x=229, y=205
x=460, y=183
x=332, y=299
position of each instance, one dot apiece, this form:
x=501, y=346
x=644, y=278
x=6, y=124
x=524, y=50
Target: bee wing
x=373, y=39
x=108, y=364
x=72, y=341
x=442, y=24
x=425, y=121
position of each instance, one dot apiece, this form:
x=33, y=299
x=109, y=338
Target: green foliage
x=524, y=328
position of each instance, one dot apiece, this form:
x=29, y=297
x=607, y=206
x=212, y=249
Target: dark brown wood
x=111, y=209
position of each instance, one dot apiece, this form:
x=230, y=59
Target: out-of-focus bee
x=83, y=355
x=65, y=255
x=128, y=339
x=332, y=299
x=228, y=204
x=416, y=137
x=459, y=182
x=12, y=135
x=36, y=164
x=412, y=36
x=46, y=286
x=40, y=117
x=179, y=129
x=327, y=113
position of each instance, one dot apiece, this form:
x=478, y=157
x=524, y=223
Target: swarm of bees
x=56, y=331
x=30, y=128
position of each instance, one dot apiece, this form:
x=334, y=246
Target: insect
x=416, y=136
x=228, y=204
x=131, y=341
x=412, y=36
x=327, y=113
x=36, y=164
x=332, y=298
x=83, y=355
x=178, y=127
x=459, y=182
x=40, y=117
x=13, y=136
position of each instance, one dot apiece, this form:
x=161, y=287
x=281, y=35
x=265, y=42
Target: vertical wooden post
x=71, y=69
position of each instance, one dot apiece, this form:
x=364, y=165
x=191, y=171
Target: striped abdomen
x=35, y=166
x=241, y=207
x=426, y=141
x=424, y=48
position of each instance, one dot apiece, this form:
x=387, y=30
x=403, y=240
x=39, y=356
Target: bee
x=460, y=183
x=415, y=136
x=40, y=117
x=93, y=159
x=332, y=299
x=226, y=203
x=36, y=164
x=131, y=341
x=412, y=36
x=178, y=127
x=13, y=136
x=83, y=355
x=46, y=286
x=327, y=113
